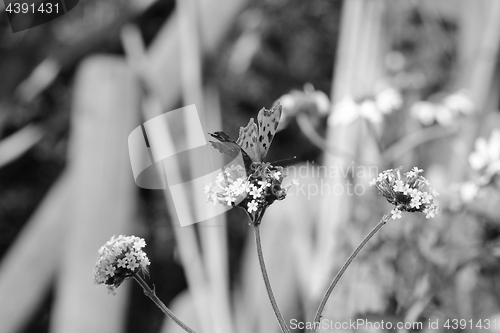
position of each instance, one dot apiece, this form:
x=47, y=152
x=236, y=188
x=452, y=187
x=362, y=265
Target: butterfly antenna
x=285, y=159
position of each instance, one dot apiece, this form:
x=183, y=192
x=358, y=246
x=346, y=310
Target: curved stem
x=316, y=139
x=353, y=255
x=279, y=316
x=415, y=139
x=151, y=294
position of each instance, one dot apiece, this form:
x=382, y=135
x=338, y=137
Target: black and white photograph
x=237, y=166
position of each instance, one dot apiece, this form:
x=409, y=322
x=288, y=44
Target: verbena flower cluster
x=414, y=194
x=254, y=191
x=120, y=258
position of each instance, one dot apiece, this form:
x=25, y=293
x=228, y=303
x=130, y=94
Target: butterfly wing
x=247, y=140
x=253, y=140
x=229, y=147
x=226, y=145
x=268, y=121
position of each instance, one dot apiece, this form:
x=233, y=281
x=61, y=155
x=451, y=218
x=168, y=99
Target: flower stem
x=151, y=294
x=353, y=255
x=279, y=316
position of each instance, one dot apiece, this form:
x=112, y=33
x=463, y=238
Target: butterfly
x=254, y=140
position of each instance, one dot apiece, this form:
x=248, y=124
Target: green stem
x=279, y=316
x=321, y=307
x=151, y=294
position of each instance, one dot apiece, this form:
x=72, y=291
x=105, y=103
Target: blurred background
x=365, y=85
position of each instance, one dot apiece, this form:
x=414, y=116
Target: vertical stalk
x=337, y=278
x=277, y=312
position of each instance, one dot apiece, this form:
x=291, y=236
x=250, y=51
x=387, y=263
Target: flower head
x=230, y=188
x=120, y=258
x=254, y=191
x=413, y=194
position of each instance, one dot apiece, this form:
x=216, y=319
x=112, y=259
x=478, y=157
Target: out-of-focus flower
x=368, y=110
x=120, y=258
x=344, y=112
x=485, y=164
x=459, y=102
x=371, y=108
x=468, y=191
x=322, y=102
x=444, y=112
x=486, y=156
x=424, y=112
x=388, y=100
x=443, y=115
x=414, y=194
x=313, y=102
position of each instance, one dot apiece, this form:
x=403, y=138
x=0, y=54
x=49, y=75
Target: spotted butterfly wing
x=247, y=140
x=268, y=121
x=253, y=139
x=256, y=140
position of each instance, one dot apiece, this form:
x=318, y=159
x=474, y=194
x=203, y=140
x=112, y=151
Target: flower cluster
x=313, y=102
x=254, y=191
x=230, y=186
x=444, y=112
x=414, y=194
x=371, y=108
x=120, y=258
